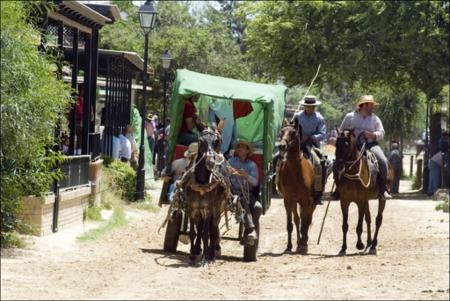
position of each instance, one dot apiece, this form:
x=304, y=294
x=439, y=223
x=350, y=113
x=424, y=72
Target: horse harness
x=372, y=165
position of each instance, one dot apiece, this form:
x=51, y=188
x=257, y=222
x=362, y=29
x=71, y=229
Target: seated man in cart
x=244, y=180
x=178, y=168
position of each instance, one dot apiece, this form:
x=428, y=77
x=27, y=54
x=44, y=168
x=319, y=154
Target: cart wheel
x=250, y=251
x=172, y=232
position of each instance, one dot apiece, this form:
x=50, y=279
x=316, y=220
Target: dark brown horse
x=295, y=183
x=354, y=185
x=206, y=197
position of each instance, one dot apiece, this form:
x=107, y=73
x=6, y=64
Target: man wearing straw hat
x=313, y=131
x=364, y=121
x=243, y=182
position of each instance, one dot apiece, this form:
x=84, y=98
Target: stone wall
x=38, y=211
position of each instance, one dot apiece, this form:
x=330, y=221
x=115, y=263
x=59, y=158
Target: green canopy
x=260, y=126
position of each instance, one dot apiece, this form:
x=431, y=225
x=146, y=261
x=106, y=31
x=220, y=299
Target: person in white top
x=366, y=123
x=124, y=149
x=129, y=133
x=175, y=171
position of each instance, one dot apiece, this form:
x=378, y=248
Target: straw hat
x=366, y=99
x=248, y=145
x=192, y=150
x=310, y=100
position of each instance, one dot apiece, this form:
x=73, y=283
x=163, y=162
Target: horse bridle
x=344, y=171
x=290, y=143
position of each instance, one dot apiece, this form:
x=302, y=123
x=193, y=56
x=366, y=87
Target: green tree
x=199, y=41
x=390, y=43
x=32, y=101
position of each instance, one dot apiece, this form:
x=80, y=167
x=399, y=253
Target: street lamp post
x=147, y=17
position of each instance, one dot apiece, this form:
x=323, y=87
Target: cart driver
x=243, y=184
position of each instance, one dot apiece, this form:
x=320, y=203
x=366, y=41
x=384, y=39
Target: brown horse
x=295, y=183
x=354, y=185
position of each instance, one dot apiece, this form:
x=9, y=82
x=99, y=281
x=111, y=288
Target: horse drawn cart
x=260, y=128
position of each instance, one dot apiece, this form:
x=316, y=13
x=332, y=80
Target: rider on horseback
x=313, y=131
x=365, y=122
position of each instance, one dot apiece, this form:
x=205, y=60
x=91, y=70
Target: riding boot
x=383, y=192
x=248, y=222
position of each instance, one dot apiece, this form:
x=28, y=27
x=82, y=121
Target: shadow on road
x=363, y=253
x=182, y=258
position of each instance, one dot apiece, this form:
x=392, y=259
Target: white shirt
x=179, y=167
x=125, y=147
x=354, y=120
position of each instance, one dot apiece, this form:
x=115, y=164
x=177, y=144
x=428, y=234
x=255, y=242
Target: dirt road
x=128, y=263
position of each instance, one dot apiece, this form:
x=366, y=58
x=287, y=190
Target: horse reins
x=357, y=176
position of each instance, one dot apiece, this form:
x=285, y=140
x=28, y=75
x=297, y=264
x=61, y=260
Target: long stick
x=310, y=85
x=326, y=211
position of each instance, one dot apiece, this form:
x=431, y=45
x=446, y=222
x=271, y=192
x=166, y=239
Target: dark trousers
x=396, y=183
x=151, y=144
x=249, y=203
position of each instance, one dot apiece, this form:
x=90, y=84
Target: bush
x=93, y=213
x=443, y=206
x=123, y=177
x=32, y=101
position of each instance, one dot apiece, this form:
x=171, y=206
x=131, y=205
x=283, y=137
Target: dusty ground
x=128, y=263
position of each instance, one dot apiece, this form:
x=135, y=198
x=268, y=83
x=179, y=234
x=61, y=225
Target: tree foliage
x=198, y=41
x=374, y=45
x=372, y=41
x=32, y=101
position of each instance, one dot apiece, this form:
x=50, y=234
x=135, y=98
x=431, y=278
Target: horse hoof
x=373, y=251
x=288, y=250
x=302, y=250
x=359, y=245
x=342, y=253
x=217, y=253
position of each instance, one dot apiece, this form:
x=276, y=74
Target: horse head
x=345, y=148
x=208, y=145
x=291, y=137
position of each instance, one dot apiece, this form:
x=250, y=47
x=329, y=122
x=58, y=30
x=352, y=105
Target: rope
x=310, y=85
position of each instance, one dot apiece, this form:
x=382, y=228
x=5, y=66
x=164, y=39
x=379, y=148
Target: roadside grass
x=443, y=206
x=118, y=219
x=146, y=205
x=93, y=213
x=112, y=197
x=442, y=196
x=415, y=183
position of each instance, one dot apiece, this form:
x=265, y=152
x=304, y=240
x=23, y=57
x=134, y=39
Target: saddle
x=372, y=164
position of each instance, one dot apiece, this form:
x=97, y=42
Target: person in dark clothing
x=395, y=158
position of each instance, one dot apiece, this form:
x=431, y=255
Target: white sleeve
x=346, y=122
x=379, y=130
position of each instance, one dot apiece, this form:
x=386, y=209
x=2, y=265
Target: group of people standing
x=157, y=136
